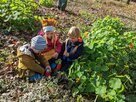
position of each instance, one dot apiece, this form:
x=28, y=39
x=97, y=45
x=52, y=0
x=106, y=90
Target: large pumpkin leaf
x=101, y=90
x=115, y=83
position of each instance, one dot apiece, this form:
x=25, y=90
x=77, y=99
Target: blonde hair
x=74, y=32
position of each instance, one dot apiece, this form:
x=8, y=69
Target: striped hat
x=48, y=29
x=38, y=43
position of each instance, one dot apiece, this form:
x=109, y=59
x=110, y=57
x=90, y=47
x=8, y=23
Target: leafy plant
x=47, y=3
x=109, y=54
x=17, y=15
x=114, y=23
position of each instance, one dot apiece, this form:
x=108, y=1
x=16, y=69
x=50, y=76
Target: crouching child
x=31, y=60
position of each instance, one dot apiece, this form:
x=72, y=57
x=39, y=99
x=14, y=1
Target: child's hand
x=66, y=54
x=48, y=71
x=55, y=55
x=48, y=67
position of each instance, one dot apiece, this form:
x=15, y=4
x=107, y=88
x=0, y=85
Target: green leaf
x=101, y=90
x=111, y=92
x=75, y=91
x=128, y=77
x=130, y=98
x=91, y=45
x=115, y=83
x=121, y=98
x=110, y=48
x=79, y=74
x=96, y=68
x=99, y=60
x=83, y=78
x=90, y=87
x=79, y=98
x=70, y=83
x=81, y=88
x=133, y=74
x=104, y=68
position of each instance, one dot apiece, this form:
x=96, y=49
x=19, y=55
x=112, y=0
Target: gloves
x=48, y=71
x=59, y=66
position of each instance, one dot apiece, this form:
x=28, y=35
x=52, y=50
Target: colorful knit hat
x=48, y=28
x=48, y=22
x=38, y=43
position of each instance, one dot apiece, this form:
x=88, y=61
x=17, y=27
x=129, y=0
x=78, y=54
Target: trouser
x=65, y=66
x=29, y=71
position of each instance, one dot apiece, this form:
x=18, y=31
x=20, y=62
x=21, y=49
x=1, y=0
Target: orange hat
x=49, y=22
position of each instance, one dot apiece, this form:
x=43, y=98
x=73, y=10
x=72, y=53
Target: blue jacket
x=69, y=47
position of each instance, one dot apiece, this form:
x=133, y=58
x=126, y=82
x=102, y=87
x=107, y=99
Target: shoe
x=35, y=77
x=53, y=65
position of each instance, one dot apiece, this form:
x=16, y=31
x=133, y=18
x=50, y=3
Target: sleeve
x=41, y=33
x=62, y=50
x=78, y=53
x=31, y=64
x=58, y=46
x=43, y=61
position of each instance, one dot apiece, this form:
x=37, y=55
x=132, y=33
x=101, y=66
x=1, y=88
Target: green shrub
x=47, y=3
x=114, y=23
x=110, y=57
x=17, y=15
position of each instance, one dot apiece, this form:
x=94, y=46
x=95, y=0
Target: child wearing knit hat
x=53, y=42
x=30, y=59
x=54, y=45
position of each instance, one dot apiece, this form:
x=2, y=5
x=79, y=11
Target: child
x=72, y=48
x=30, y=59
x=53, y=48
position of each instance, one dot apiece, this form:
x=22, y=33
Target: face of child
x=73, y=39
x=49, y=34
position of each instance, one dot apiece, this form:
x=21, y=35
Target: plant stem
x=96, y=98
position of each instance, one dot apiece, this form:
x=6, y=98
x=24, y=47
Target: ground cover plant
x=109, y=54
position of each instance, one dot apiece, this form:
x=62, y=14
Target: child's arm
x=57, y=49
x=43, y=61
x=79, y=51
x=62, y=50
x=31, y=64
x=58, y=46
